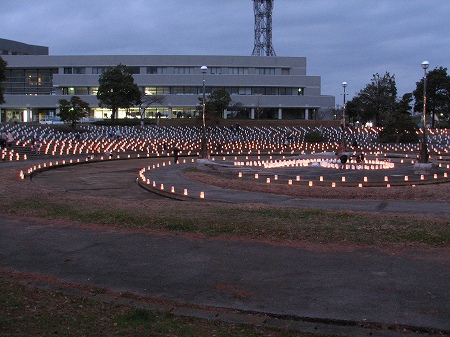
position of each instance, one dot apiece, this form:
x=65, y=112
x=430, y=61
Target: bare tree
x=148, y=100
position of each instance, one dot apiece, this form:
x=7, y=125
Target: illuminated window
x=157, y=90
x=150, y=90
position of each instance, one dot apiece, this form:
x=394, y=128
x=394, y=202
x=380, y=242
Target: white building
x=260, y=87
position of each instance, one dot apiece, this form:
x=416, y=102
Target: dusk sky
x=343, y=40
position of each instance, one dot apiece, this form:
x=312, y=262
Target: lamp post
x=423, y=151
x=204, y=150
x=344, y=107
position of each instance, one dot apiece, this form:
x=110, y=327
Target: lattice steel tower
x=263, y=28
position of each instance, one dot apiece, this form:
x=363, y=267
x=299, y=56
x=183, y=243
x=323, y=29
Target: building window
x=79, y=70
x=245, y=91
x=68, y=91
x=178, y=90
x=150, y=90
x=216, y=70
x=232, y=90
x=98, y=70
x=135, y=70
x=81, y=91
x=270, y=91
x=75, y=70
x=238, y=71
x=285, y=91
x=257, y=91
x=156, y=70
x=157, y=90
x=183, y=70
x=190, y=90
x=285, y=71
x=78, y=91
x=29, y=81
x=266, y=71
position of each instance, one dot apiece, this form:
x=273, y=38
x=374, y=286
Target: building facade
x=260, y=87
x=10, y=47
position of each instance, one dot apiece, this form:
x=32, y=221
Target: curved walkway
x=172, y=176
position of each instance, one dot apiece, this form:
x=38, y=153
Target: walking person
x=9, y=139
x=175, y=155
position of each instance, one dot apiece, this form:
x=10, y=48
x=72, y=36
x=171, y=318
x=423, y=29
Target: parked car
x=51, y=120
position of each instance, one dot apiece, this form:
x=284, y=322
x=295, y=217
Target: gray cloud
x=345, y=40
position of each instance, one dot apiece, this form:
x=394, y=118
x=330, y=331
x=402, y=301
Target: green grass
x=251, y=222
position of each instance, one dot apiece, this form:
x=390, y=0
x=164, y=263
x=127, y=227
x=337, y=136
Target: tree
x=216, y=102
x=399, y=126
x=72, y=110
x=376, y=100
x=438, y=95
x=147, y=100
x=3, y=65
x=117, y=89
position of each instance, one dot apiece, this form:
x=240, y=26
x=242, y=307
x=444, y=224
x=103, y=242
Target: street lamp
x=343, y=145
x=204, y=150
x=423, y=152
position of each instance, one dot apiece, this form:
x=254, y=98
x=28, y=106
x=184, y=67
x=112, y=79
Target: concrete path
x=364, y=285
x=171, y=175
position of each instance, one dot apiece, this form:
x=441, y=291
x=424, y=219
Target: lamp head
x=344, y=84
x=204, y=69
x=425, y=65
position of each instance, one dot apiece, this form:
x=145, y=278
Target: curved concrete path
x=172, y=175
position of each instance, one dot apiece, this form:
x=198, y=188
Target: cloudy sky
x=343, y=40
